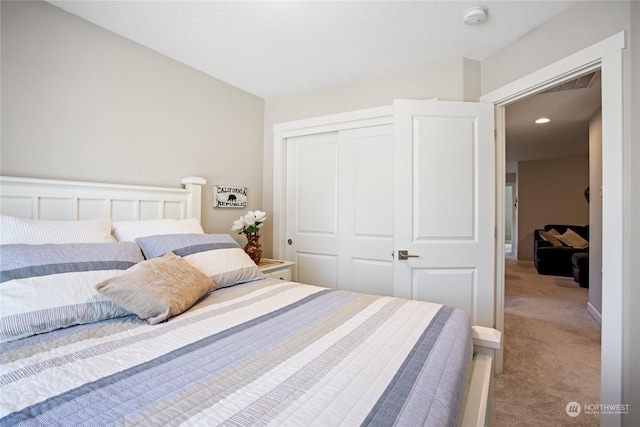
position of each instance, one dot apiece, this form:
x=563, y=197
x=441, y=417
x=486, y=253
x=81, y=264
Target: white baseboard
x=594, y=313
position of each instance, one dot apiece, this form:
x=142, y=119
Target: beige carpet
x=552, y=352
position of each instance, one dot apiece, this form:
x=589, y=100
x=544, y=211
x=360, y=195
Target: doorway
x=551, y=164
x=606, y=55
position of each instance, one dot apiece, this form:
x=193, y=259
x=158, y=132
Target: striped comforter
x=264, y=353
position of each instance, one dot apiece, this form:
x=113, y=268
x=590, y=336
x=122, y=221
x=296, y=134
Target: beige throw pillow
x=157, y=289
x=573, y=239
x=554, y=232
x=550, y=237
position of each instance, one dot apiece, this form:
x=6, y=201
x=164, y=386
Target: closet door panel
x=366, y=209
x=372, y=277
x=318, y=269
x=317, y=179
x=312, y=207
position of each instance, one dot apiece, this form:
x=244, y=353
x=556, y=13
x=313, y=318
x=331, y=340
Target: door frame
x=605, y=55
x=329, y=123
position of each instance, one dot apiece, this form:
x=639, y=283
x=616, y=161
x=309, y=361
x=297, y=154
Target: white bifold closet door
x=340, y=207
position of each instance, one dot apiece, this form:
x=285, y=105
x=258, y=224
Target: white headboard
x=50, y=199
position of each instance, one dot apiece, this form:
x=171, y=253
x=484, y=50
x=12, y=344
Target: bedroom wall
x=81, y=103
x=451, y=81
x=576, y=28
x=550, y=192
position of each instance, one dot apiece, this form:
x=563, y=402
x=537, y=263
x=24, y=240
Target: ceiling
x=277, y=48
x=274, y=48
x=570, y=106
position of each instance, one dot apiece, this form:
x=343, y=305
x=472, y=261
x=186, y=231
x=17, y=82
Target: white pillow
x=129, y=231
x=48, y=287
x=15, y=230
x=217, y=255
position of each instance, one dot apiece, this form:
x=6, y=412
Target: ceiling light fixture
x=475, y=15
x=543, y=120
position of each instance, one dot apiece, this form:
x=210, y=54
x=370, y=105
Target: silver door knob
x=405, y=255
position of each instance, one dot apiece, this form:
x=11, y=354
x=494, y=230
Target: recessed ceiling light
x=543, y=120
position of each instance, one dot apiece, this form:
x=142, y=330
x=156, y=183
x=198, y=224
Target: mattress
x=267, y=352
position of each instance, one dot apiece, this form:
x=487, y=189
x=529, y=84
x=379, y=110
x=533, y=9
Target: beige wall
x=576, y=28
x=81, y=103
x=550, y=192
x=595, y=212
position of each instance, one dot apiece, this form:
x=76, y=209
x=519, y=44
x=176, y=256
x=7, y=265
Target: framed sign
x=227, y=196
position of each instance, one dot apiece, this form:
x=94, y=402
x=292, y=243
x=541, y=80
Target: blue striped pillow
x=51, y=286
x=217, y=255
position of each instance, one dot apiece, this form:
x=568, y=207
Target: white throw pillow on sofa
x=573, y=239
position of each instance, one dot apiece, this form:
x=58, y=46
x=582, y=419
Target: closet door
x=423, y=184
x=366, y=210
x=340, y=209
x=312, y=208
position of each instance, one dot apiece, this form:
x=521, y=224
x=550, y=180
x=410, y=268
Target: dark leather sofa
x=552, y=260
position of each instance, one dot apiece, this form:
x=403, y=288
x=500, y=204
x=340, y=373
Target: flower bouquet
x=250, y=224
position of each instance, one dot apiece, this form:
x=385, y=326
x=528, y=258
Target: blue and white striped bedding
x=51, y=286
x=262, y=353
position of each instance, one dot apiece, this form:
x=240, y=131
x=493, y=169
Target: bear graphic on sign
x=227, y=196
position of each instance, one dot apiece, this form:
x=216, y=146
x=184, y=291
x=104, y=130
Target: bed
x=164, y=324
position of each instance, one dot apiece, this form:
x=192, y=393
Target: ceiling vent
x=581, y=82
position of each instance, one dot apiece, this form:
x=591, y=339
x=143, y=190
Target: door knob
x=405, y=255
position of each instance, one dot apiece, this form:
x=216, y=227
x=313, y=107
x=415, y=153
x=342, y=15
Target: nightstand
x=276, y=269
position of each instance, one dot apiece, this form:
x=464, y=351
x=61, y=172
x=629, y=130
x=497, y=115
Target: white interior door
x=444, y=209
